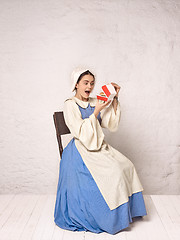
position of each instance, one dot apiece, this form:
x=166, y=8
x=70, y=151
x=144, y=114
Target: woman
x=98, y=189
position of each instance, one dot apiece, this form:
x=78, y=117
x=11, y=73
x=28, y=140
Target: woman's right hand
x=99, y=106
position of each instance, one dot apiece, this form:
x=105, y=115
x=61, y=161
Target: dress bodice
x=86, y=112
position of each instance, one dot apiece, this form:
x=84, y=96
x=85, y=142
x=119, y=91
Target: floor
x=25, y=217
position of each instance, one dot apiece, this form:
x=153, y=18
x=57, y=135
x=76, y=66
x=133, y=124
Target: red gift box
x=108, y=93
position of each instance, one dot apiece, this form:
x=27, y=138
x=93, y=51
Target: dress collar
x=83, y=104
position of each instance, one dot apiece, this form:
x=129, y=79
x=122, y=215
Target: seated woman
x=98, y=189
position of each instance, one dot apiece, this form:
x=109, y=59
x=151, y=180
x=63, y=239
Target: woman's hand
x=99, y=106
x=117, y=88
x=115, y=102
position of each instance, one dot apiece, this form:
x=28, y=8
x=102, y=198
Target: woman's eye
x=92, y=84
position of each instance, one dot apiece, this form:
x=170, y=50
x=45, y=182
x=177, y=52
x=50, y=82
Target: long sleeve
x=110, y=119
x=88, y=130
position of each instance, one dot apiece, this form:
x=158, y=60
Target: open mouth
x=87, y=92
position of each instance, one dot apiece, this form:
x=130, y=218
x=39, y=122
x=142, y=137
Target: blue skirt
x=80, y=205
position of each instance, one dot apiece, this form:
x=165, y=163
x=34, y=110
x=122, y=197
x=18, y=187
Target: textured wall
x=134, y=43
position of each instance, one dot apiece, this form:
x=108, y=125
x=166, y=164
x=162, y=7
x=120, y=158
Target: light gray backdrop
x=133, y=43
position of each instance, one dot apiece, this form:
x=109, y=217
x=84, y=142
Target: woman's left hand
x=117, y=88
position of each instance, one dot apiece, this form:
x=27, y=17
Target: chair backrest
x=61, y=128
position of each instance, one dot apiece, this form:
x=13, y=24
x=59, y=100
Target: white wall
x=134, y=43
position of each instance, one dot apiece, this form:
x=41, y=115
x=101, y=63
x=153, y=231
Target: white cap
x=75, y=75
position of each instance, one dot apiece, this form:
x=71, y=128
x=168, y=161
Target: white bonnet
x=76, y=74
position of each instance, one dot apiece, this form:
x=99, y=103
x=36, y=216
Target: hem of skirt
x=130, y=221
x=75, y=229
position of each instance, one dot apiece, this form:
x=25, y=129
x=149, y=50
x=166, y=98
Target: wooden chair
x=61, y=128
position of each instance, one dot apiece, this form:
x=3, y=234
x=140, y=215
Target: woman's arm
x=99, y=106
x=88, y=130
x=110, y=118
x=115, y=100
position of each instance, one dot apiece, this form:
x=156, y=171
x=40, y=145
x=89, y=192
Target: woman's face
x=84, y=87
